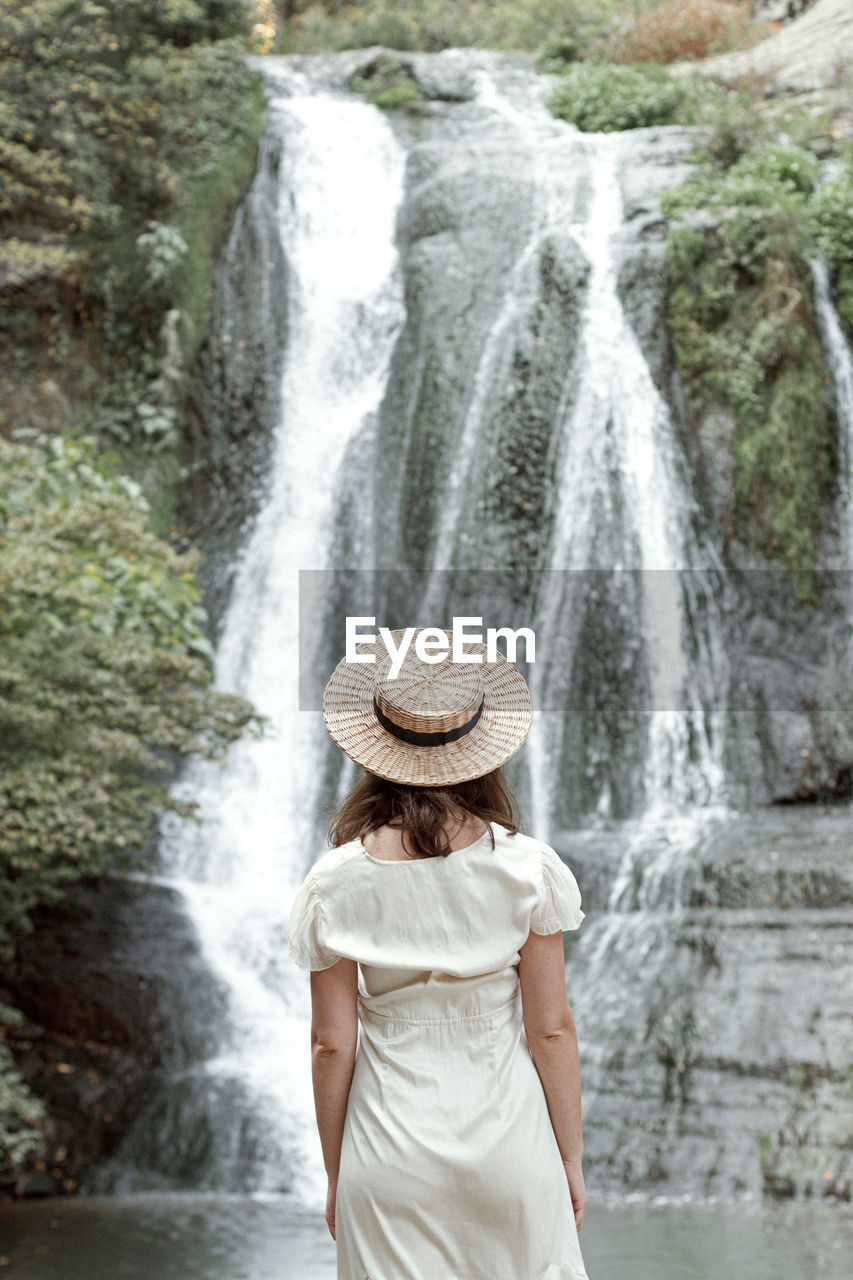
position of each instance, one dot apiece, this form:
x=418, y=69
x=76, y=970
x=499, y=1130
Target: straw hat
x=434, y=723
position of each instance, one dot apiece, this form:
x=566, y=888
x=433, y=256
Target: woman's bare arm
x=552, y=1038
x=334, y=1040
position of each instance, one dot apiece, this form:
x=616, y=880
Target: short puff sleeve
x=305, y=929
x=559, y=904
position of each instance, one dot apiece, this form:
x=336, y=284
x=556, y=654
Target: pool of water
x=159, y=1237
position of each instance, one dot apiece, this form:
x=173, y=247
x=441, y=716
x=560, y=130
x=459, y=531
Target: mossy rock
x=387, y=82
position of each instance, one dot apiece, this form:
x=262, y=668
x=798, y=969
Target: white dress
x=450, y=1169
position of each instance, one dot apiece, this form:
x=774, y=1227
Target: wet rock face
x=655, y=161
x=477, y=203
x=446, y=78
x=726, y=1020
x=789, y=731
x=470, y=218
x=115, y=999
x=236, y=393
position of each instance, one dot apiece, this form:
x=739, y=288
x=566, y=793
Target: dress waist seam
x=459, y=1017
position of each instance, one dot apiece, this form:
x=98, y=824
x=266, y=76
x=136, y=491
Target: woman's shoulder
x=333, y=861
x=524, y=847
x=348, y=860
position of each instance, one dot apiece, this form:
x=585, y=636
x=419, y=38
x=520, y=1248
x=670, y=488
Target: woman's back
x=464, y=914
x=449, y=1164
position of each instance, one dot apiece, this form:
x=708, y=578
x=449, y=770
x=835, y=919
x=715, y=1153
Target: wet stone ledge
x=115, y=998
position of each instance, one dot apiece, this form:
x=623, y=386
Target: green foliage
x=20, y=1110
x=69, y=520
x=105, y=677
x=791, y=169
x=318, y=31
x=128, y=131
x=832, y=211
x=432, y=25
x=103, y=107
x=532, y=24
x=560, y=31
x=386, y=84
x=604, y=96
x=163, y=248
x=578, y=33
x=744, y=336
x=557, y=51
x=121, y=120
x=832, y=219
x=204, y=205
x=735, y=129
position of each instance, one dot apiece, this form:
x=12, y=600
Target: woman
x=451, y=1129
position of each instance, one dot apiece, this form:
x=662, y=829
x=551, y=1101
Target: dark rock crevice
x=116, y=997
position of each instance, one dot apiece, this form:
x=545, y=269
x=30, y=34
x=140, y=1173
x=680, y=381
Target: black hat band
x=439, y=739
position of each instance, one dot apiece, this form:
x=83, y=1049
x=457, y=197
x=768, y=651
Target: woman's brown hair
x=423, y=812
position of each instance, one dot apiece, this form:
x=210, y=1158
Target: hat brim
x=502, y=728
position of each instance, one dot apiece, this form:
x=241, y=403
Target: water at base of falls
x=235, y=1238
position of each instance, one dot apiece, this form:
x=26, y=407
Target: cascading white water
x=341, y=184
x=839, y=362
x=612, y=418
x=619, y=421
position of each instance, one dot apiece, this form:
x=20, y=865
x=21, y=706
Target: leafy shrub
x=406, y=27
x=758, y=207
x=789, y=168
x=105, y=678
x=679, y=30
x=832, y=220
x=163, y=248
x=534, y=24
x=604, y=97
x=745, y=337
x=20, y=1110
x=558, y=51
x=132, y=111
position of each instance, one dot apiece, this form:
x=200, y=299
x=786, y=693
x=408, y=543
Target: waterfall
x=339, y=189
x=620, y=498
x=839, y=361
x=620, y=538
x=618, y=421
